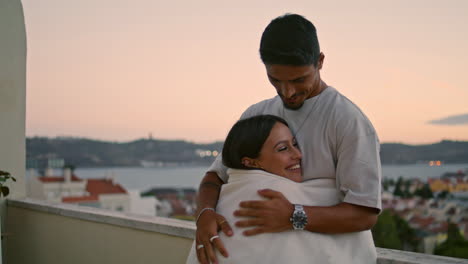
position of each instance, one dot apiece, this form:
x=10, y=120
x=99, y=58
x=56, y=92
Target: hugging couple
x=299, y=177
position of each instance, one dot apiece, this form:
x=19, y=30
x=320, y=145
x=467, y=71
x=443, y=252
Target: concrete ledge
x=390, y=256
x=186, y=229
x=161, y=225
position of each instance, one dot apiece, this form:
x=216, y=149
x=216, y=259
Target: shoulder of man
x=347, y=108
x=347, y=113
x=268, y=106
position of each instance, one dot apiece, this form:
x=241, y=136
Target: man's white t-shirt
x=337, y=141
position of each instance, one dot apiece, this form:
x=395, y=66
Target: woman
x=262, y=153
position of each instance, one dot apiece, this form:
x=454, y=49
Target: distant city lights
x=435, y=163
x=206, y=153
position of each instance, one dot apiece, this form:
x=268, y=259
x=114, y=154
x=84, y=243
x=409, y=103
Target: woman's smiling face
x=280, y=154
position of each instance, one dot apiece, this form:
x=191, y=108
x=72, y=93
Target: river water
x=142, y=179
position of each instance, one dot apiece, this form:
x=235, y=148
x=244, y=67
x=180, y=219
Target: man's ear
x=249, y=162
x=320, y=61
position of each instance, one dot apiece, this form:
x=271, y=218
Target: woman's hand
x=267, y=216
x=208, y=225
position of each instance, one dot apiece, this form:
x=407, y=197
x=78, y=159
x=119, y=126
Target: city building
x=452, y=185
x=68, y=188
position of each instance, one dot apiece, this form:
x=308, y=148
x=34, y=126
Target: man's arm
x=273, y=215
x=341, y=218
x=209, y=222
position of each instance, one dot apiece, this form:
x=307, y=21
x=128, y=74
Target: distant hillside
x=83, y=152
x=446, y=151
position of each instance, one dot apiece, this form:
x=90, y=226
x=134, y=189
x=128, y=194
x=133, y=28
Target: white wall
x=12, y=99
x=115, y=201
x=64, y=189
x=13, y=93
x=55, y=238
x=35, y=188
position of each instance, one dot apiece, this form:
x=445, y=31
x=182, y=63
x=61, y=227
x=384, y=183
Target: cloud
x=454, y=120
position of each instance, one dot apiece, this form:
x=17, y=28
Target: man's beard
x=292, y=107
x=295, y=107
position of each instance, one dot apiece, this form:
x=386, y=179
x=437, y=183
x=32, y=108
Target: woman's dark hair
x=290, y=40
x=246, y=138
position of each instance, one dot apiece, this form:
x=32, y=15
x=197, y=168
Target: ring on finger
x=200, y=246
x=222, y=222
x=213, y=238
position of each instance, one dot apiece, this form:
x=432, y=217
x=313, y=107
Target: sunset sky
x=119, y=70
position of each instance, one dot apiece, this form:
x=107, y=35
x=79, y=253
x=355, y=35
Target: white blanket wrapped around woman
x=290, y=246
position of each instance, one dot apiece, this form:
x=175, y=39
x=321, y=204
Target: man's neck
x=322, y=86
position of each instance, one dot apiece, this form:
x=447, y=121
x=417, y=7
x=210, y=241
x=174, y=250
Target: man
x=335, y=137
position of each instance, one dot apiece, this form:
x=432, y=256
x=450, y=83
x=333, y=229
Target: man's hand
x=267, y=216
x=208, y=225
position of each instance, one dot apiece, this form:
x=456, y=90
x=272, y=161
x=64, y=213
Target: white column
x=12, y=100
x=13, y=94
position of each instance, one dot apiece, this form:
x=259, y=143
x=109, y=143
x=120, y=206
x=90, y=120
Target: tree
x=455, y=245
x=443, y=194
x=406, y=234
x=392, y=231
x=385, y=231
x=424, y=192
x=386, y=183
x=406, y=191
x=398, y=186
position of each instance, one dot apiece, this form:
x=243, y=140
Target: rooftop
x=92, y=235
x=53, y=179
x=104, y=186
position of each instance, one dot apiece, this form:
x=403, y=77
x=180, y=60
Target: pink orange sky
x=119, y=70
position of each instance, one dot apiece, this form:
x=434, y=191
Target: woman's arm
x=209, y=222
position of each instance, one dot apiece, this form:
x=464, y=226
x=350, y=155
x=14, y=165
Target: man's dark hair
x=290, y=40
x=246, y=138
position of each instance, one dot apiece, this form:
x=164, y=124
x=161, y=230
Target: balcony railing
x=46, y=233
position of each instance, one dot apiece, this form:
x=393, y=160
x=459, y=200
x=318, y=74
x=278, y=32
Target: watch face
x=299, y=219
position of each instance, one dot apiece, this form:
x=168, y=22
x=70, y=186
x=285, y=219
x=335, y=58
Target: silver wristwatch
x=299, y=217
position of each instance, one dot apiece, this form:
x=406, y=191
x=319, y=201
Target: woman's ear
x=249, y=162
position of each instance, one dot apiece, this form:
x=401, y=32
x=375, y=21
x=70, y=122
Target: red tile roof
x=103, y=186
x=80, y=199
x=439, y=227
x=422, y=222
x=58, y=179
x=96, y=187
